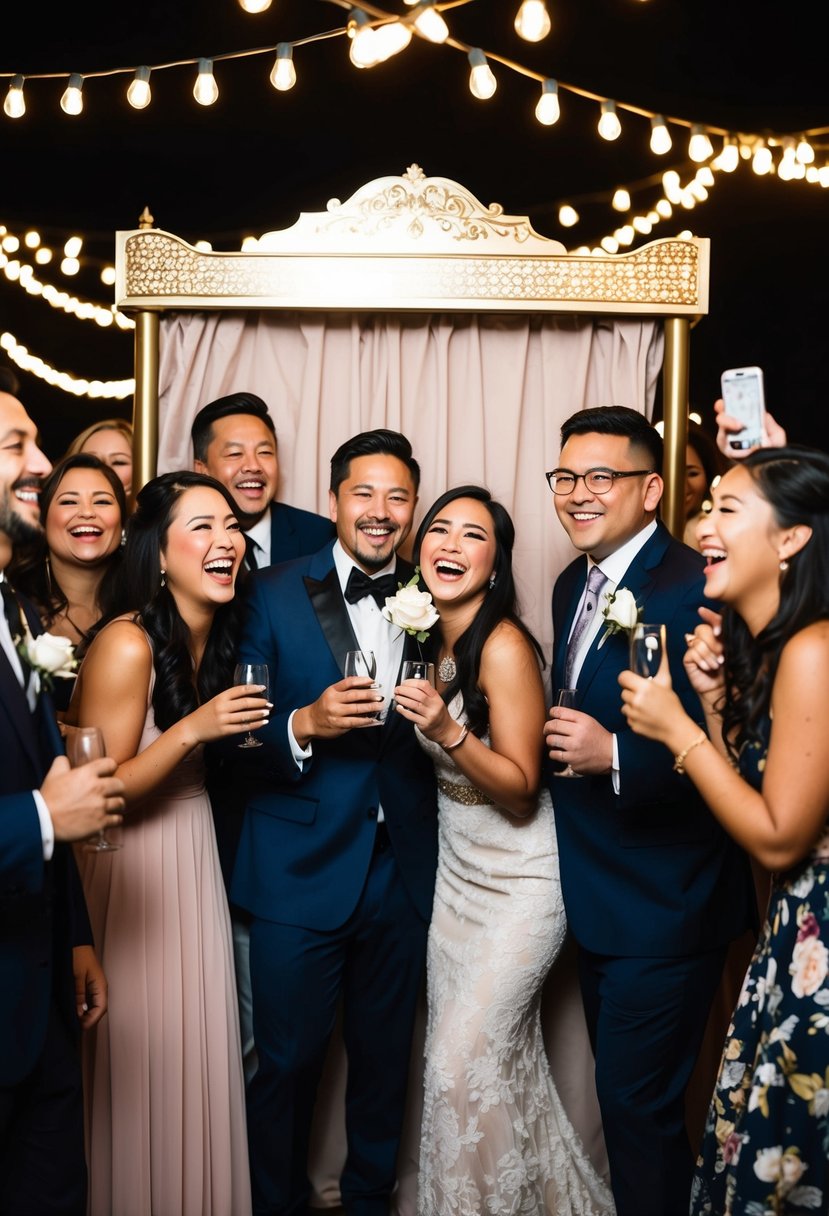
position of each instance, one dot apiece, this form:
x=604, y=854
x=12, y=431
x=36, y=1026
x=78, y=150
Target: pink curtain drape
x=482, y=398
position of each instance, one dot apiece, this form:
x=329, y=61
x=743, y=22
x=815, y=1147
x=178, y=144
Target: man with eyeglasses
x=654, y=889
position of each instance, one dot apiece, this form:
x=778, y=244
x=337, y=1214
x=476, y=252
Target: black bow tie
x=359, y=585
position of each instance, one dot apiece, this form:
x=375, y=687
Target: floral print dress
x=766, y=1145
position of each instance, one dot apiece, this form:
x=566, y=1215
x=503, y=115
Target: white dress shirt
x=260, y=534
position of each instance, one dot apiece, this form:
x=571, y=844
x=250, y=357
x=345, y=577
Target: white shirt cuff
x=616, y=774
x=300, y=754
x=47, y=828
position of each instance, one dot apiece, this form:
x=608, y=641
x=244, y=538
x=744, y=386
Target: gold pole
x=145, y=409
x=675, y=413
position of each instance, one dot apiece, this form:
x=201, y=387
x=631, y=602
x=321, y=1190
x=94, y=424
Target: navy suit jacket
x=295, y=532
x=647, y=872
x=42, y=910
x=307, y=836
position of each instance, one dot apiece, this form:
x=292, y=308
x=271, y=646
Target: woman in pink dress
x=165, y=1096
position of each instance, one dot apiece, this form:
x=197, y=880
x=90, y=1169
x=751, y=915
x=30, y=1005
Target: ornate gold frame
x=407, y=244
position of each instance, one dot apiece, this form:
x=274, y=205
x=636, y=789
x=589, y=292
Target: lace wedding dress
x=495, y=1139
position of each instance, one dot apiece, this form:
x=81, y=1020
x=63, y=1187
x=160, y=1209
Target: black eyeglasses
x=598, y=481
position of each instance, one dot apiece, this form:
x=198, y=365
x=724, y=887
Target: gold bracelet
x=449, y=747
x=679, y=760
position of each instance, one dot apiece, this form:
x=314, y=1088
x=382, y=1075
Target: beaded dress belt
x=467, y=795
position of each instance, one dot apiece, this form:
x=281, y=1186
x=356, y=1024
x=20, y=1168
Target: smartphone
x=742, y=392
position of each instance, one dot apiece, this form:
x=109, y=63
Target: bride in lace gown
x=495, y=1138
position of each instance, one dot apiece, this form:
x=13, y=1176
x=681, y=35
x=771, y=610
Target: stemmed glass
x=257, y=674
x=647, y=645
x=358, y=663
x=417, y=669
x=85, y=743
x=566, y=698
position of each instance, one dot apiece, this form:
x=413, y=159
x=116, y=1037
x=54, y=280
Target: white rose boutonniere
x=50, y=657
x=620, y=612
x=411, y=610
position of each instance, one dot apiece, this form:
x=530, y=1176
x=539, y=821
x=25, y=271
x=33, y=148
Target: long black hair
x=31, y=569
x=795, y=482
x=139, y=592
x=499, y=604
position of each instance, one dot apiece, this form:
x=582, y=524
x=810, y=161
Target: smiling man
x=336, y=863
x=653, y=888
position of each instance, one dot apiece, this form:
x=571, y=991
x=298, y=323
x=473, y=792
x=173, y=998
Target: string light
x=108, y=276
x=73, y=247
x=621, y=200
x=283, y=72
x=729, y=157
x=43, y=256
x=138, y=93
x=609, y=126
x=362, y=52
x=805, y=152
x=70, y=266
x=205, y=90
x=548, y=110
x=532, y=21
x=72, y=101
x=664, y=209
x=429, y=23
x=699, y=145
x=14, y=105
x=762, y=162
x=567, y=215
x=391, y=39
x=482, y=82
x=255, y=6
x=110, y=390
x=660, y=136
x=32, y=239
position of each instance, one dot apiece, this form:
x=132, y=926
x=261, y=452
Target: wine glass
x=566, y=698
x=257, y=674
x=85, y=743
x=358, y=663
x=647, y=645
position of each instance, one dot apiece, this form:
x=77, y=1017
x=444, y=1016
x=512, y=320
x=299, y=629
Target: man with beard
x=337, y=859
x=49, y=977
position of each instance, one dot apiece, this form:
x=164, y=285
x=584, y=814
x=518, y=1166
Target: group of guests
x=455, y=821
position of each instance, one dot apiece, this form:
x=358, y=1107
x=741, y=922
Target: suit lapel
x=563, y=617
x=327, y=601
x=14, y=704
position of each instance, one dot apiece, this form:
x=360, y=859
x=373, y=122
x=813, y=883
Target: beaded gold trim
x=466, y=795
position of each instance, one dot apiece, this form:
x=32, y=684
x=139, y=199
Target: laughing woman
x=166, y=1118
x=761, y=672
x=495, y=1137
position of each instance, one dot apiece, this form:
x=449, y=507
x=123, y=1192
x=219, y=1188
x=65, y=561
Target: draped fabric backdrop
x=482, y=399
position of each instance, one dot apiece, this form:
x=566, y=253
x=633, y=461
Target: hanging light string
x=108, y=390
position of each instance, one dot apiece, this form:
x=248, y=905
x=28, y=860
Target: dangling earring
x=784, y=565
x=123, y=537
x=48, y=575
x=492, y=580
x=163, y=578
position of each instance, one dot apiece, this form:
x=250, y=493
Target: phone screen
x=743, y=398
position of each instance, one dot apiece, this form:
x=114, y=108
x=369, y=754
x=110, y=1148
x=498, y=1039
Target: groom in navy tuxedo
x=44, y=929
x=653, y=888
x=337, y=858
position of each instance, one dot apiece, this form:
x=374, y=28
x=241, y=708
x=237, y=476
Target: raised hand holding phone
x=744, y=400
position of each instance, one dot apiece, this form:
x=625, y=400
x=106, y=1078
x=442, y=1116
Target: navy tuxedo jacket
x=647, y=872
x=295, y=532
x=42, y=910
x=307, y=836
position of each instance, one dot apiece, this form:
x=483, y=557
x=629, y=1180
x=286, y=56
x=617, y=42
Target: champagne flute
x=257, y=674
x=85, y=743
x=358, y=663
x=566, y=698
x=647, y=646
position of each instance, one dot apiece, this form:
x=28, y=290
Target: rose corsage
x=411, y=610
x=620, y=612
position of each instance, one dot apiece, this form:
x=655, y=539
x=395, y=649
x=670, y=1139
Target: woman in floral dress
x=762, y=674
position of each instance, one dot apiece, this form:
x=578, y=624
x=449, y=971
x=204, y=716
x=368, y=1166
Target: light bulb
x=704, y=176
x=664, y=209
x=72, y=101
x=548, y=110
x=70, y=266
x=660, y=136
x=255, y=6
x=567, y=215
x=805, y=152
x=14, y=105
x=788, y=161
x=812, y=174
x=203, y=246
x=73, y=246
x=205, y=90
x=283, y=72
x=108, y=276
x=729, y=158
x=10, y=243
x=671, y=185
x=625, y=235
x=609, y=126
x=823, y=176
x=138, y=93
x=621, y=200
x=32, y=239
x=429, y=23
x=762, y=160
x=362, y=52
x=391, y=39
x=699, y=145
x=687, y=200
x=609, y=244
x=43, y=256
x=482, y=82
x=643, y=224
x=697, y=190
x=532, y=21
x=249, y=244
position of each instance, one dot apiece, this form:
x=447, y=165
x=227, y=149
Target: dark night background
x=255, y=159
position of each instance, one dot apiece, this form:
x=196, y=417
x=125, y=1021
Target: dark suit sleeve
x=21, y=846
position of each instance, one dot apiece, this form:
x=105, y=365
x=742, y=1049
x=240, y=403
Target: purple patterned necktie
x=595, y=582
